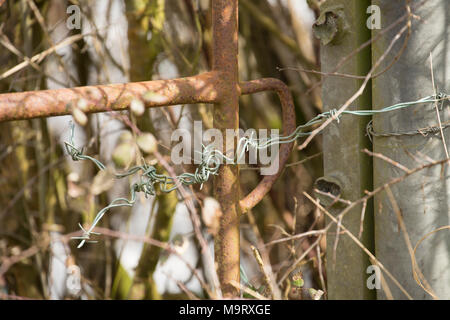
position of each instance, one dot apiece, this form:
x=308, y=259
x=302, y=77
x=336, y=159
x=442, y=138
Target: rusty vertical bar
x=226, y=116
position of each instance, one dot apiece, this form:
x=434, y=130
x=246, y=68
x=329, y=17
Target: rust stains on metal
x=226, y=116
x=220, y=87
x=288, y=114
x=112, y=97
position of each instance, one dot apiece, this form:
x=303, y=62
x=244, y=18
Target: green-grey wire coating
x=212, y=158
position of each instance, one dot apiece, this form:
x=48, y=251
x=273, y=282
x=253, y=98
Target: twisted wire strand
x=213, y=158
x=77, y=154
x=434, y=130
x=147, y=180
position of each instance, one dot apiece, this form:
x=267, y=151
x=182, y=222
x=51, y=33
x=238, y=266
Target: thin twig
x=402, y=227
x=320, y=271
x=388, y=160
x=41, y=56
x=264, y=255
x=260, y=262
x=247, y=290
x=437, y=109
x=361, y=224
x=384, y=284
x=357, y=93
x=294, y=237
x=336, y=240
x=416, y=278
x=297, y=261
x=355, y=239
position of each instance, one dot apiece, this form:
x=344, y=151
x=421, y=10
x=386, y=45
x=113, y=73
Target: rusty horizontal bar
x=112, y=97
x=288, y=114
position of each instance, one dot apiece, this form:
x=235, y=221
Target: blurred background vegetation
x=44, y=194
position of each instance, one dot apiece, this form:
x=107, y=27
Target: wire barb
x=213, y=158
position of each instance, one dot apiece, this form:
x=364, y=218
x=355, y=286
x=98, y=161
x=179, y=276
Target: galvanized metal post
x=347, y=171
x=424, y=197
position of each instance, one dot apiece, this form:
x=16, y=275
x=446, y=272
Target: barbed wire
x=213, y=158
x=148, y=179
x=77, y=154
x=435, y=130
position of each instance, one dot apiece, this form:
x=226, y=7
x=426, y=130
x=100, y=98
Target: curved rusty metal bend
x=288, y=112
